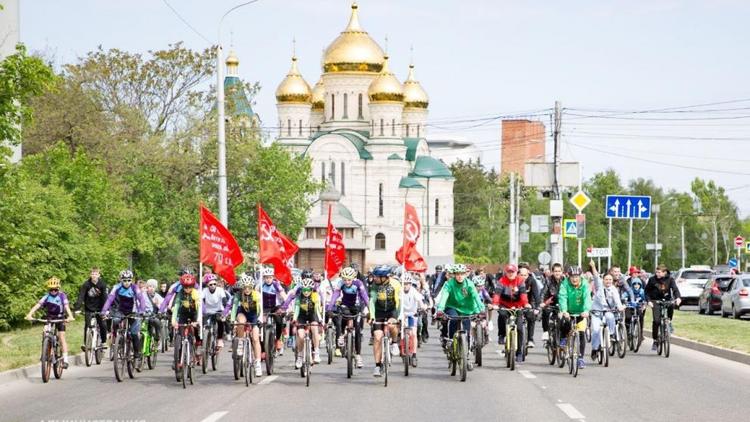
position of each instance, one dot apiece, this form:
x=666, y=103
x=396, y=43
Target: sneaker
x=258, y=370
x=376, y=372
x=316, y=357
x=594, y=355
x=530, y=344
x=337, y=353
x=653, y=346
x=83, y=348
x=490, y=326
x=394, y=349
x=563, y=342
x=501, y=340
x=358, y=361
x=65, y=365
x=371, y=341
x=298, y=362
x=414, y=360
x=340, y=341
x=581, y=363
x=545, y=336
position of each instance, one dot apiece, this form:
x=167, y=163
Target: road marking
x=527, y=374
x=213, y=417
x=267, y=380
x=570, y=411
x=544, y=387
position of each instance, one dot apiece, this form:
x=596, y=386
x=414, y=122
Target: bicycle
x=579, y=325
x=241, y=363
x=149, y=348
x=304, y=370
x=210, y=350
x=635, y=330
x=385, y=348
x=51, y=358
x=664, y=334
x=405, y=347
x=330, y=339
x=269, y=342
x=618, y=338
x=603, y=354
x=479, y=339
x=186, y=353
x=93, y=349
x=511, y=337
x=350, y=337
x=555, y=353
x=458, y=352
x=123, y=354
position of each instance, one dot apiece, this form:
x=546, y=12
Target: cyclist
x=479, y=282
x=534, y=296
x=56, y=304
x=458, y=298
x=412, y=303
x=307, y=310
x=153, y=300
x=126, y=298
x=636, y=301
x=350, y=298
x=215, y=299
x=574, y=297
x=510, y=293
x=623, y=285
x=384, y=302
x=272, y=295
x=424, y=288
x=661, y=286
x=187, y=309
x=605, y=302
x=549, y=297
x=246, y=307
x=167, y=303
x=91, y=296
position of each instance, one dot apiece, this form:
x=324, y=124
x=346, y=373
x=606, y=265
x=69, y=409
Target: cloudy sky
x=655, y=89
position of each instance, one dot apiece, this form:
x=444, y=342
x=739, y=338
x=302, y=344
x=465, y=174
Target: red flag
x=412, y=228
x=275, y=248
x=335, y=250
x=218, y=248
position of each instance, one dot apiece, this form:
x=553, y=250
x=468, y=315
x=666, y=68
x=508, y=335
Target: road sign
x=592, y=252
x=544, y=258
x=524, y=237
x=539, y=223
x=629, y=207
x=739, y=241
x=732, y=262
x=571, y=228
x=653, y=246
x=524, y=227
x=580, y=200
x=581, y=226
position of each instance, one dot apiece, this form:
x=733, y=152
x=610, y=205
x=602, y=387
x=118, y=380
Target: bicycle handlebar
x=50, y=321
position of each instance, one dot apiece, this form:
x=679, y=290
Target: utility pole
x=655, y=209
x=609, y=244
x=512, y=257
x=556, y=246
x=716, y=245
x=682, y=235
x=518, y=219
x=222, y=151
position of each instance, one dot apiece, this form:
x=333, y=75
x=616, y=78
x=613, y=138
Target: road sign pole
x=579, y=252
x=655, y=210
x=630, y=243
x=609, y=245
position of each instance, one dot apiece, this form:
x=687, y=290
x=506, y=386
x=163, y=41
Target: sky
x=480, y=61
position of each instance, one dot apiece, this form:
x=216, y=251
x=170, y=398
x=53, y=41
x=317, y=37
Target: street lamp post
x=222, y=146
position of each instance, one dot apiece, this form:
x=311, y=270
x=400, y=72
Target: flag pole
x=200, y=294
x=325, y=261
x=403, y=273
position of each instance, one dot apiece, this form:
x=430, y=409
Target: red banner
x=274, y=248
x=412, y=228
x=218, y=248
x=335, y=250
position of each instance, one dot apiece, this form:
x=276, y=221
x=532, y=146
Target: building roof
x=410, y=183
x=233, y=86
x=430, y=168
x=355, y=137
x=394, y=156
x=411, y=148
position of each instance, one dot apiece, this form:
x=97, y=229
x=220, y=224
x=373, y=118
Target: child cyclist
x=412, y=303
x=56, y=304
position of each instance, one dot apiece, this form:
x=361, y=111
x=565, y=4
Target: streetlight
x=222, y=147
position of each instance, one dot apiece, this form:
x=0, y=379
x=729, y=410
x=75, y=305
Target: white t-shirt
x=412, y=300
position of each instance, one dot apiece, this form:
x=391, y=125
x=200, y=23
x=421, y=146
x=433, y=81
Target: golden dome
x=386, y=86
x=318, y=96
x=294, y=88
x=414, y=95
x=353, y=50
x=232, y=58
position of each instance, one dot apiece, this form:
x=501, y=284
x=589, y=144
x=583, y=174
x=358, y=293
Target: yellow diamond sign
x=580, y=200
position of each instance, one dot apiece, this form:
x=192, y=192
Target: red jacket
x=510, y=293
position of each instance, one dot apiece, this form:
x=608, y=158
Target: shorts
x=60, y=326
x=250, y=317
x=307, y=318
x=411, y=321
x=381, y=315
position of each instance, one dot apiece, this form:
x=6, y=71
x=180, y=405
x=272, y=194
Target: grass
x=21, y=347
x=728, y=333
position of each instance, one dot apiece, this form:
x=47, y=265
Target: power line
x=186, y=22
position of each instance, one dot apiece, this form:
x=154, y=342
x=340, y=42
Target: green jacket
x=463, y=297
x=574, y=300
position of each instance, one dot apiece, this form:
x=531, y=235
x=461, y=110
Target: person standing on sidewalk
x=91, y=296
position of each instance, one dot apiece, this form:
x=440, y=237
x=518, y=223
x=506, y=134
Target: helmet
x=306, y=273
x=267, y=271
x=307, y=283
x=246, y=281
x=511, y=268
x=407, y=279
x=53, y=283
x=479, y=280
x=185, y=270
x=573, y=270
x=296, y=279
x=382, y=271
x=396, y=270
x=126, y=275
x=348, y=273
x=438, y=268
x=187, y=280
x=459, y=268
x=152, y=283
x=209, y=278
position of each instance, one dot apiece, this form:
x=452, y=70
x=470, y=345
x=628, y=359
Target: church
x=365, y=132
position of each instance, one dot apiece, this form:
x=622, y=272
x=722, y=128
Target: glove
x=440, y=315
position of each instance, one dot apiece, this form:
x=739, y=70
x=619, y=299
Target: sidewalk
x=34, y=371
x=709, y=349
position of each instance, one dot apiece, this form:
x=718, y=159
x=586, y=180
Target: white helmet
x=267, y=271
x=307, y=283
x=348, y=273
x=296, y=280
x=246, y=281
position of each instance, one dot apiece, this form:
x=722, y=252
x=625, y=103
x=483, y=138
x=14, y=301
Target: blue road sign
x=629, y=207
x=732, y=262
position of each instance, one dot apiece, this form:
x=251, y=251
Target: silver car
x=690, y=282
x=736, y=301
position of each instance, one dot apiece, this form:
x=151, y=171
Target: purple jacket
x=168, y=298
x=349, y=295
x=127, y=299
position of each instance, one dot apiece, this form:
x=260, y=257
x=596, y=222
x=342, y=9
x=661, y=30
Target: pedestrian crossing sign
x=571, y=228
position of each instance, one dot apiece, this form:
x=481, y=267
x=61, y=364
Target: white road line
x=213, y=417
x=544, y=387
x=527, y=374
x=570, y=411
x=267, y=380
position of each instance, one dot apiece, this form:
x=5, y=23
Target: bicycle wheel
x=607, y=350
x=330, y=343
x=57, y=368
x=270, y=344
x=405, y=353
x=637, y=338
x=349, y=354
x=99, y=353
x=207, y=344
x=191, y=357
x=478, y=344
x=119, y=358
x=176, y=361
x=610, y=346
x=236, y=361
x=588, y=331
x=513, y=348
x=308, y=360
x=184, y=362
x=46, y=359
x=660, y=339
x=247, y=362
x=129, y=357
x=215, y=354
x=463, y=356
x=386, y=361
x=620, y=335
x=88, y=355
x=551, y=347
x=666, y=342
x=507, y=348
x=575, y=353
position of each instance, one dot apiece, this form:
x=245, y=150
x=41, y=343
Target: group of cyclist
x=389, y=300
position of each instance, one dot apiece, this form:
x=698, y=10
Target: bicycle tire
x=57, y=367
x=349, y=354
x=308, y=360
x=660, y=339
x=478, y=345
x=88, y=355
x=638, y=338
x=463, y=356
x=513, y=348
x=176, y=362
x=330, y=343
x=621, y=347
x=270, y=348
x=405, y=353
x=610, y=347
x=667, y=345
x=386, y=358
x=607, y=351
x=45, y=359
x=190, y=365
x=130, y=364
x=204, y=361
x=99, y=353
x=184, y=362
x=588, y=331
x=575, y=353
x=119, y=358
x=246, y=362
x=236, y=362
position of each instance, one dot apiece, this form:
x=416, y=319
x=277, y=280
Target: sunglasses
x=211, y=284
x=54, y=290
x=306, y=290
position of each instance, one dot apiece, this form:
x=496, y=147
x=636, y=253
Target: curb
x=717, y=351
x=32, y=371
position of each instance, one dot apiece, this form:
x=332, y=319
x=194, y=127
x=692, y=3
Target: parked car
x=722, y=269
x=736, y=301
x=710, y=299
x=690, y=282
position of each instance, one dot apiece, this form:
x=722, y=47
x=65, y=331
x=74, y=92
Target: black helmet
x=382, y=271
x=306, y=273
x=573, y=270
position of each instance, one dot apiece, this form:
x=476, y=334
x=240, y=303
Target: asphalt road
x=642, y=387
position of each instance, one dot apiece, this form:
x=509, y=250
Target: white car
x=690, y=282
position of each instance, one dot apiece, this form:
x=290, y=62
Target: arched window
x=360, y=116
x=346, y=106
x=323, y=171
x=407, y=130
x=289, y=127
x=333, y=107
x=417, y=131
x=393, y=127
x=380, y=200
x=379, y=242
x=300, y=127
x=333, y=173
x=437, y=211
x=381, y=127
x=343, y=180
